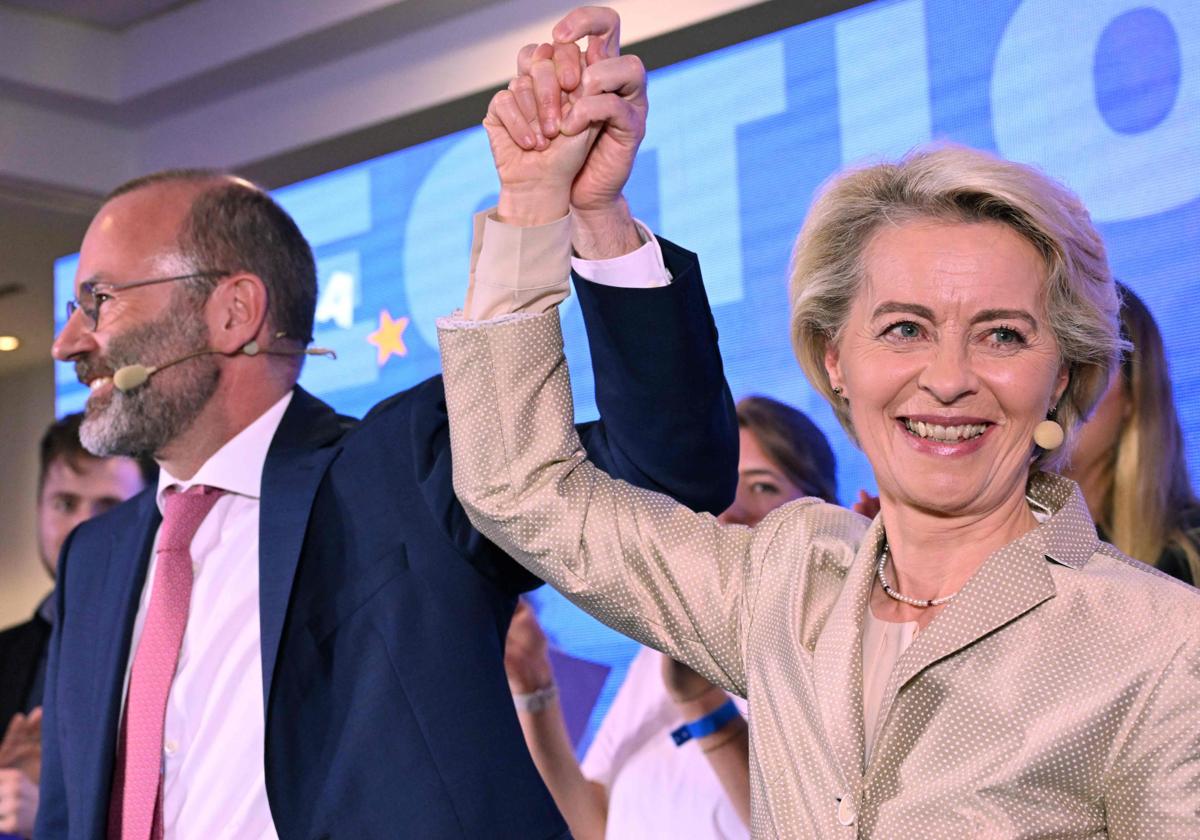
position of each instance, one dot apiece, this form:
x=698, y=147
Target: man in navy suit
x=340, y=669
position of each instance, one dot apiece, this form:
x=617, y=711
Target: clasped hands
x=566, y=130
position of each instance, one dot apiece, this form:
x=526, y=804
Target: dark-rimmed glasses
x=92, y=294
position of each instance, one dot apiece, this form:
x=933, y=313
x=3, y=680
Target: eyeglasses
x=91, y=295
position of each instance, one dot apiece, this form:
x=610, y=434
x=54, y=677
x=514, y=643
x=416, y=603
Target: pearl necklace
x=902, y=598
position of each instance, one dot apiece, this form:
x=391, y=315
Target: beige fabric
x=882, y=644
x=1057, y=696
x=517, y=269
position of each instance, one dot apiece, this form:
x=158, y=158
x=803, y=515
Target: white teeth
x=99, y=382
x=950, y=434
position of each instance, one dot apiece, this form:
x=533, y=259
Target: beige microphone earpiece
x=131, y=376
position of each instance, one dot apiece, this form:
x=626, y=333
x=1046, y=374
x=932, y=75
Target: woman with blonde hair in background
x=671, y=758
x=1130, y=461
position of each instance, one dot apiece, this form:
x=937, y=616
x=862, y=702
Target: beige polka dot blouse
x=1057, y=696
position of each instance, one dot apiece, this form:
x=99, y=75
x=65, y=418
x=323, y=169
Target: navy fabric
x=22, y=667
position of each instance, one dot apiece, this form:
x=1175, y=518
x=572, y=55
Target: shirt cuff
x=517, y=269
x=640, y=269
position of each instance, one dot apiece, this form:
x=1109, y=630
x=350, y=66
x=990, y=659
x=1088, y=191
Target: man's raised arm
x=564, y=136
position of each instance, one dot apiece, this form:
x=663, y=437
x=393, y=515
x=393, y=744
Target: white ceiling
x=108, y=14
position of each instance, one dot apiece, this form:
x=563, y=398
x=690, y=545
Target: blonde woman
x=974, y=662
x=1130, y=462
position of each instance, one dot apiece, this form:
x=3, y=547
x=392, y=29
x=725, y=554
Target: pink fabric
x=135, y=807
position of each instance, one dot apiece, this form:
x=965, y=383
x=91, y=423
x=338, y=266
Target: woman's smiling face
x=948, y=363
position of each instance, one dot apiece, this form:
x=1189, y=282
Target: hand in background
x=18, y=802
x=582, y=802
x=867, y=505
x=526, y=659
x=21, y=748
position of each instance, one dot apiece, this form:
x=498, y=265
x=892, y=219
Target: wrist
x=708, y=725
x=531, y=206
x=530, y=675
x=533, y=702
x=736, y=730
x=604, y=232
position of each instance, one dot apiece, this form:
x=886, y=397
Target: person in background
x=1130, y=461
x=671, y=758
x=73, y=486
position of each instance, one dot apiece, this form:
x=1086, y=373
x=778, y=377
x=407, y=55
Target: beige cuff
x=517, y=269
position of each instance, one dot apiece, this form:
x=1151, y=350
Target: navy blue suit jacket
x=383, y=612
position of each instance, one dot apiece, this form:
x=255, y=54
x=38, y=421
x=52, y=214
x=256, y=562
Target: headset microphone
x=127, y=378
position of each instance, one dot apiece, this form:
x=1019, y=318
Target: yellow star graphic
x=389, y=338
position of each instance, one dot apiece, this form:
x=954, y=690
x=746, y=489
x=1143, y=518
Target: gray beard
x=144, y=420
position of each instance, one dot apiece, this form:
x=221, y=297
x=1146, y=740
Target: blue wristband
x=706, y=725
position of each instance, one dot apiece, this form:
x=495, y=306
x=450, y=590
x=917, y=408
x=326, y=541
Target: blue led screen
x=1104, y=96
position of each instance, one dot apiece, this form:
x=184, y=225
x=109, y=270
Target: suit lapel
x=1011, y=582
x=837, y=660
x=300, y=453
x=124, y=577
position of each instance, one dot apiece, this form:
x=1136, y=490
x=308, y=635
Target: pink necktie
x=135, y=806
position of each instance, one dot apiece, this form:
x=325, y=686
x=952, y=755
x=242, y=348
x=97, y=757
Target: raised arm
x=667, y=418
x=727, y=748
x=565, y=134
x=584, y=803
x=639, y=561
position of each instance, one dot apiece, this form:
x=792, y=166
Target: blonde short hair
x=957, y=184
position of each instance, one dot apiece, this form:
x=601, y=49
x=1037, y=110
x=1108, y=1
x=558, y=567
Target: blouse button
x=846, y=813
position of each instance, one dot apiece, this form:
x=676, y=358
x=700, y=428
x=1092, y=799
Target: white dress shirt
x=213, y=757
x=213, y=772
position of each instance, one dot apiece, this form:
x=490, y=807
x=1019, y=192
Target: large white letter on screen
x=883, y=81
x=693, y=124
x=1045, y=111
